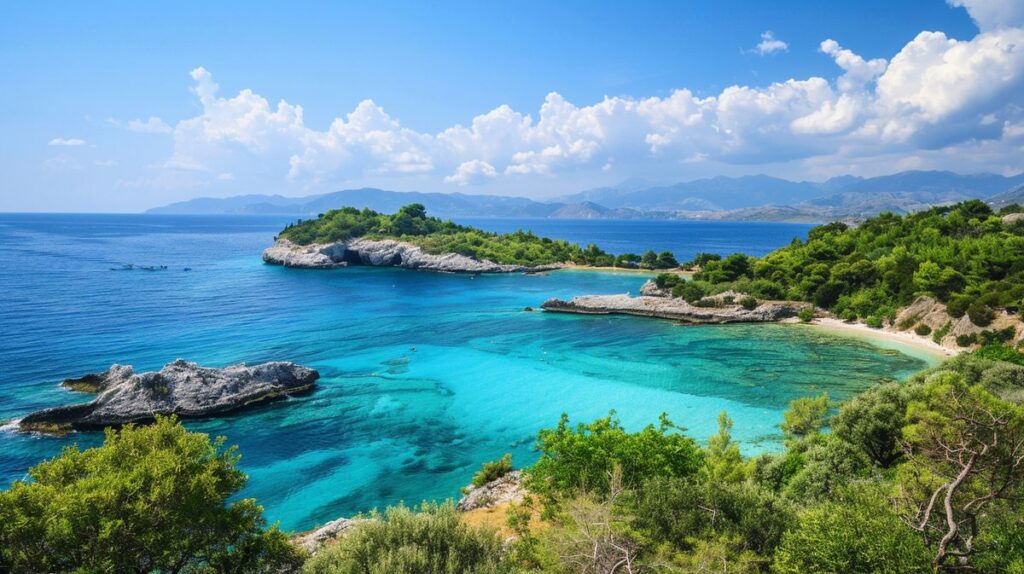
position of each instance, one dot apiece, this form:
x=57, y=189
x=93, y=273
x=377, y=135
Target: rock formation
x=672, y=308
x=382, y=253
x=181, y=388
x=507, y=488
x=313, y=541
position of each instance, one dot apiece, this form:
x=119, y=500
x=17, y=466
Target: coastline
x=861, y=330
x=606, y=269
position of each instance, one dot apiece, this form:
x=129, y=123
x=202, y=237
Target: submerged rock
x=382, y=253
x=508, y=488
x=669, y=308
x=181, y=388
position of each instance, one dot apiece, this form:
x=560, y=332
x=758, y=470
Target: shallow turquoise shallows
x=424, y=376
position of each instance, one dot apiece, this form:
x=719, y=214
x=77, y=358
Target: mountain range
x=756, y=197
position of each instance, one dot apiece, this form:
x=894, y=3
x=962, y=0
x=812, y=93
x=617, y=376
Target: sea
x=424, y=375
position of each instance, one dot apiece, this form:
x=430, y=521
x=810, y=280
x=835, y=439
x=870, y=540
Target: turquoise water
x=425, y=375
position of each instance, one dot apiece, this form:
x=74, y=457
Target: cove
x=424, y=376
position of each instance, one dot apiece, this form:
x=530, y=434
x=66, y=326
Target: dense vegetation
x=921, y=476
x=411, y=224
x=963, y=255
x=151, y=499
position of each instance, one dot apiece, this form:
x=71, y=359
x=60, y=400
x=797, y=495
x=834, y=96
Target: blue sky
x=123, y=106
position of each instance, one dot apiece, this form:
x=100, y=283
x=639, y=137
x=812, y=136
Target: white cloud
x=67, y=142
x=769, y=44
x=105, y=163
x=469, y=172
x=153, y=125
x=993, y=14
x=937, y=100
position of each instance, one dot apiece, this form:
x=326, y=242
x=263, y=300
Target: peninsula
x=412, y=240
x=180, y=388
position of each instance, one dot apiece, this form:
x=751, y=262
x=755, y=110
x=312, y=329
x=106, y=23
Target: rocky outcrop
x=927, y=311
x=670, y=308
x=508, y=488
x=313, y=541
x=383, y=253
x=181, y=388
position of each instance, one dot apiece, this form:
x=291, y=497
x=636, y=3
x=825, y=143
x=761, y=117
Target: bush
x=748, y=303
x=873, y=420
x=805, y=416
x=980, y=314
x=492, y=470
x=433, y=540
x=857, y=533
x=966, y=340
x=1000, y=353
x=806, y=314
x=874, y=321
x=582, y=457
x=923, y=330
x=153, y=498
x=941, y=333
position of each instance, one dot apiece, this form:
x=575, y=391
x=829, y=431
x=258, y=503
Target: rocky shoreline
x=180, y=388
x=673, y=308
x=383, y=253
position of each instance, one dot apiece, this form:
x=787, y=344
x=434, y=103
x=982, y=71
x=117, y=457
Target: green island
x=925, y=475
x=411, y=224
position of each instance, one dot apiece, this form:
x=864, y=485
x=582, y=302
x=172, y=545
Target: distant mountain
x=1008, y=197
x=440, y=204
x=756, y=197
x=731, y=193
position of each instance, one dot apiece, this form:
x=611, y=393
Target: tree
x=856, y=533
x=965, y=450
x=873, y=421
x=580, y=458
x=805, y=416
x=153, y=498
x=723, y=461
x=666, y=260
x=649, y=260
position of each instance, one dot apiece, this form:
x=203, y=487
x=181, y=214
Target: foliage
x=858, y=532
x=149, y=499
x=806, y=314
x=431, y=541
x=1000, y=353
x=964, y=448
x=749, y=303
x=492, y=470
x=923, y=330
x=805, y=416
x=963, y=255
x=723, y=462
x=873, y=421
x=582, y=457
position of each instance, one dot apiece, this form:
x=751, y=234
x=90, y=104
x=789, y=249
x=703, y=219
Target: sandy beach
x=924, y=343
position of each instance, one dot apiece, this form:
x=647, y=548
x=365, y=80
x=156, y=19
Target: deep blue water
x=424, y=376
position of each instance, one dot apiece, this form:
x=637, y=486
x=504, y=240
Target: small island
x=412, y=240
x=180, y=388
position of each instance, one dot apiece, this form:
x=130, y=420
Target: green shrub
x=748, y=303
x=966, y=340
x=980, y=314
x=668, y=280
x=874, y=321
x=873, y=422
x=691, y=291
x=152, y=498
x=431, y=541
x=941, y=333
x=923, y=330
x=806, y=314
x=492, y=470
x=805, y=416
x=858, y=532
x=582, y=457
x=1000, y=353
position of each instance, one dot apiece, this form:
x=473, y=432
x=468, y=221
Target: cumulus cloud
x=769, y=44
x=473, y=171
x=993, y=14
x=72, y=142
x=937, y=98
